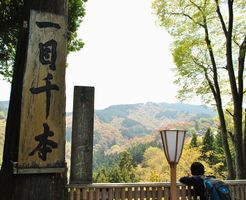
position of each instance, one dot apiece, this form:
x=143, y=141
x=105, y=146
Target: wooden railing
x=142, y=191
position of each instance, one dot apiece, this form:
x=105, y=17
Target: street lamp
x=173, y=141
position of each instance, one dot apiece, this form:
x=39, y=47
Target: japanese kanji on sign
x=42, y=131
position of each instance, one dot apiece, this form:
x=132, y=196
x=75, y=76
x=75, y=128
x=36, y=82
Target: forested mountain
x=120, y=123
x=123, y=124
x=120, y=127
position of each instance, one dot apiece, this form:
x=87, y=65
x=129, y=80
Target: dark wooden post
x=35, y=186
x=82, y=135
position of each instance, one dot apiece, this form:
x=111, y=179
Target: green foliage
x=76, y=11
x=138, y=149
x=11, y=13
x=121, y=171
x=208, y=141
x=193, y=142
x=208, y=147
x=209, y=47
x=185, y=21
x=212, y=153
x=100, y=176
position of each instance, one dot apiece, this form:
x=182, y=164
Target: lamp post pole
x=173, y=181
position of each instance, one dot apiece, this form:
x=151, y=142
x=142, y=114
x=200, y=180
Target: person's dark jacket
x=197, y=183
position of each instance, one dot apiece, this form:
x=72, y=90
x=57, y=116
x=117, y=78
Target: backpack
x=216, y=189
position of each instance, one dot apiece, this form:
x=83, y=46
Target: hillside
x=118, y=124
x=125, y=124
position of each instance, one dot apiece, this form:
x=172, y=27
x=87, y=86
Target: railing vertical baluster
x=183, y=192
x=178, y=189
x=123, y=193
x=142, y=193
x=136, y=193
x=238, y=191
x=71, y=193
x=110, y=193
x=188, y=192
x=241, y=191
x=159, y=193
x=84, y=193
x=78, y=194
x=166, y=193
x=104, y=193
x=233, y=191
x=129, y=194
x=148, y=192
x=97, y=193
x=91, y=194
x=117, y=193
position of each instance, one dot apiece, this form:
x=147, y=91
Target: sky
x=126, y=56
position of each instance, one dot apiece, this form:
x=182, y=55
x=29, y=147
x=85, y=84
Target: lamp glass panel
x=165, y=145
x=171, y=141
x=181, y=135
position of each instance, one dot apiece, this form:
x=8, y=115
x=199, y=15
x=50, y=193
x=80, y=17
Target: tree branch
x=221, y=18
x=210, y=83
x=231, y=136
x=229, y=112
x=186, y=15
x=194, y=4
x=241, y=61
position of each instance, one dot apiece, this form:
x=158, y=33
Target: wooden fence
x=142, y=191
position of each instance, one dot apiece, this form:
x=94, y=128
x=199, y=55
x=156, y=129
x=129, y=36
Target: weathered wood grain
x=33, y=107
x=82, y=135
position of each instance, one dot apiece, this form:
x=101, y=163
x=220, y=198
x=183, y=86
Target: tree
x=219, y=163
x=121, y=171
x=11, y=14
x=193, y=142
x=209, y=53
x=208, y=147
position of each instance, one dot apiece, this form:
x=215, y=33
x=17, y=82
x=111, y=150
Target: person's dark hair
x=197, y=168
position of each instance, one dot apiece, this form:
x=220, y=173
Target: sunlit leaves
x=186, y=20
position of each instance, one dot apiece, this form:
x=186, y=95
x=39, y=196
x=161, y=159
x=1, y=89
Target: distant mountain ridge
x=122, y=124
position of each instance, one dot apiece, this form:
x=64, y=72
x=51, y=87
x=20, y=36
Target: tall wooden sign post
x=82, y=135
x=34, y=151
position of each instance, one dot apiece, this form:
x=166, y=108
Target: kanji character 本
x=47, y=88
x=47, y=53
x=45, y=145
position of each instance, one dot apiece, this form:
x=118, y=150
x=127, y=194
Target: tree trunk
x=238, y=139
x=229, y=162
x=215, y=88
x=244, y=140
x=31, y=186
x=237, y=97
